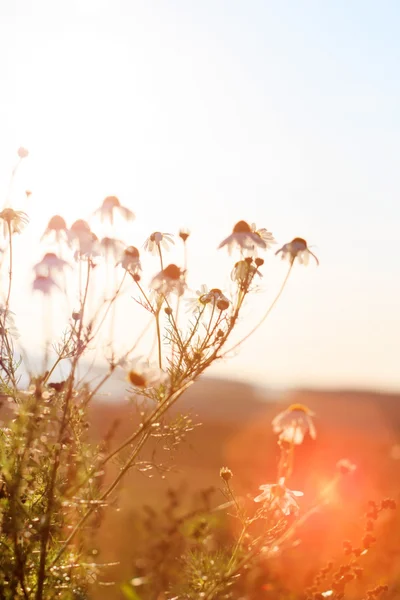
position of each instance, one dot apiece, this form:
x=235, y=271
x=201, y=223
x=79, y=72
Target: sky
x=201, y=114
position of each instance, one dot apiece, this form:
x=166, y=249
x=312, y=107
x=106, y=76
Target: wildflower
x=50, y=263
x=225, y=473
x=22, y=152
x=157, y=240
x=7, y=324
x=44, y=284
x=277, y=495
x=87, y=242
x=264, y=234
x=244, y=237
x=130, y=260
x=143, y=375
x=110, y=247
x=244, y=272
x=297, y=248
x=197, y=302
x=293, y=423
x=184, y=233
x=345, y=467
x=216, y=298
x=171, y=279
x=58, y=226
x=110, y=204
x=13, y=220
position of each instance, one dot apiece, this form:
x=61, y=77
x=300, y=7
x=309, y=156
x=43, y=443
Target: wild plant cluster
x=55, y=483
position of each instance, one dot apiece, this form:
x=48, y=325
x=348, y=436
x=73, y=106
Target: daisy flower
x=157, y=240
x=184, y=233
x=13, y=220
x=244, y=237
x=49, y=264
x=110, y=247
x=216, y=298
x=44, y=284
x=171, y=279
x=264, y=234
x=278, y=496
x=109, y=206
x=56, y=226
x=293, y=423
x=81, y=235
x=196, y=302
x=297, y=248
x=22, y=152
x=130, y=260
x=143, y=375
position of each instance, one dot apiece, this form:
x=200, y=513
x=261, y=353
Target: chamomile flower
x=81, y=236
x=13, y=220
x=109, y=206
x=22, y=152
x=44, y=284
x=216, y=298
x=293, y=423
x=169, y=280
x=184, y=233
x=243, y=237
x=56, y=227
x=278, y=496
x=111, y=248
x=196, y=302
x=142, y=374
x=297, y=248
x=264, y=234
x=130, y=260
x=158, y=240
x=49, y=264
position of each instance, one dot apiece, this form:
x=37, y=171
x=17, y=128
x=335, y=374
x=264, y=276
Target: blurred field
x=235, y=430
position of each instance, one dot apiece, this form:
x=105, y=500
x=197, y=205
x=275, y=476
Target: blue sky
x=201, y=114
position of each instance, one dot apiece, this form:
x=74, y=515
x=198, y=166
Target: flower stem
x=266, y=315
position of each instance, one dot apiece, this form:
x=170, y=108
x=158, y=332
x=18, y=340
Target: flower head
x=111, y=248
x=244, y=237
x=278, y=496
x=44, y=284
x=264, y=234
x=345, y=467
x=109, y=206
x=49, y=264
x=215, y=298
x=225, y=473
x=130, y=260
x=22, y=152
x=158, y=240
x=297, y=248
x=171, y=279
x=13, y=220
x=80, y=235
x=293, y=423
x=56, y=226
x=184, y=233
x=143, y=375
x=244, y=272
